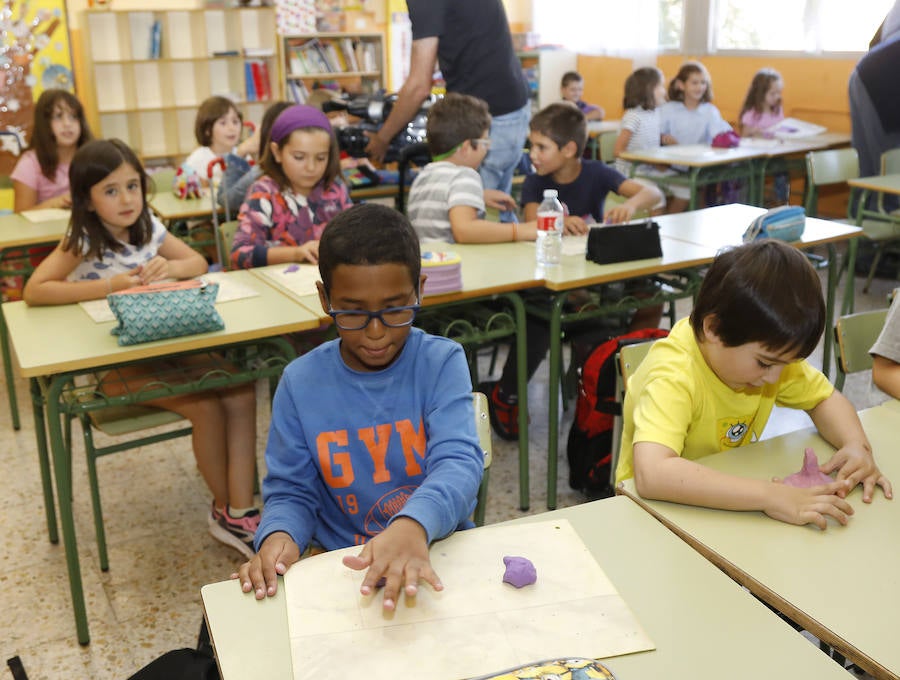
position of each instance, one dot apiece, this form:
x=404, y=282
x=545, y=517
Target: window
x=797, y=25
x=610, y=26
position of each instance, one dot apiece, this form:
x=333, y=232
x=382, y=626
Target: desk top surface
x=600, y=127
x=168, y=206
x=889, y=184
x=693, y=155
x=62, y=338
x=841, y=584
x=700, y=622
x=724, y=225
x=16, y=231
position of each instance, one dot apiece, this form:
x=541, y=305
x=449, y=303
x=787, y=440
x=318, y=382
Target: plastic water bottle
x=549, y=229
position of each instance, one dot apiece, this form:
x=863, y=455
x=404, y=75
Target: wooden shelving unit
x=353, y=62
x=152, y=69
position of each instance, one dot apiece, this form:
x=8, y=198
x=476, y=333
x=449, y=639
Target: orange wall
x=815, y=89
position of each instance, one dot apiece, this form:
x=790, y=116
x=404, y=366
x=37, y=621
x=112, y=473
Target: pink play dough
x=519, y=572
x=809, y=474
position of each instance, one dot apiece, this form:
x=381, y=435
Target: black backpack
x=589, y=448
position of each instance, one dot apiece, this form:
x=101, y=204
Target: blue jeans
x=508, y=133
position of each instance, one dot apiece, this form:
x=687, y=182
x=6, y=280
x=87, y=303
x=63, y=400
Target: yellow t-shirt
x=676, y=400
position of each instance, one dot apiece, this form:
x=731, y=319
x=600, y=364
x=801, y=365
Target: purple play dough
x=809, y=474
x=519, y=572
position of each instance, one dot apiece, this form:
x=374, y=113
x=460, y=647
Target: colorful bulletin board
x=34, y=56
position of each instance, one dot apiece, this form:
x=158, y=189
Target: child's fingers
x=425, y=573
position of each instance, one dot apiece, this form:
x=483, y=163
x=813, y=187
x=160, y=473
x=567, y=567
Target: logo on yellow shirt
x=732, y=434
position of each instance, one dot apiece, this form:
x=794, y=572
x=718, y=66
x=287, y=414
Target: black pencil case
x=623, y=242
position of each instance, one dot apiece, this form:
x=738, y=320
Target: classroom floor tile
x=160, y=553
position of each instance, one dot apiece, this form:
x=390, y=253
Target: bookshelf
x=544, y=69
x=152, y=68
x=348, y=62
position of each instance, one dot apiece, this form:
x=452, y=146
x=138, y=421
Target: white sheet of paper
x=300, y=279
x=46, y=215
x=229, y=290
x=791, y=128
x=574, y=245
x=572, y=610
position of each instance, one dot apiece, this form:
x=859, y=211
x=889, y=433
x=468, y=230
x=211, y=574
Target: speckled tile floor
x=160, y=552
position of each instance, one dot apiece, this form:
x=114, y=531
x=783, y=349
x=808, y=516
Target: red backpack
x=589, y=448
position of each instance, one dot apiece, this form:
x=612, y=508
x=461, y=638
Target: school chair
x=226, y=232
x=607, y=147
x=412, y=154
x=854, y=334
x=836, y=166
x=629, y=359
x=483, y=430
x=122, y=416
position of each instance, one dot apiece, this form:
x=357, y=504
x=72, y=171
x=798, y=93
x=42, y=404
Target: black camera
x=373, y=110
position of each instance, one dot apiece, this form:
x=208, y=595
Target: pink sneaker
x=236, y=532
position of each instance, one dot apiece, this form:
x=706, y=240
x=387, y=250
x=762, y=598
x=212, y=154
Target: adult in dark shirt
x=875, y=101
x=470, y=39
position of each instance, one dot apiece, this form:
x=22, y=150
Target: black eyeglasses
x=357, y=319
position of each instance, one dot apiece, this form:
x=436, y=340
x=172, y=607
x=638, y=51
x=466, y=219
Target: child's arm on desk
x=640, y=197
x=661, y=474
x=467, y=228
x=572, y=224
x=399, y=555
x=886, y=375
x=838, y=423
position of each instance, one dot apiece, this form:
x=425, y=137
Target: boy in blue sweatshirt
x=372, y=441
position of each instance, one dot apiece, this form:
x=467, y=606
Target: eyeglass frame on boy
x=377, y=314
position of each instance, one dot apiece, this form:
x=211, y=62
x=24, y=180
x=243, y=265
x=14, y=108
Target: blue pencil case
x=786, y=223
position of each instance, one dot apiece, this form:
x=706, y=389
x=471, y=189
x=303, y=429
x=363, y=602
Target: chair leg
x=879, y=251
x=482, y=500
x=91, y=455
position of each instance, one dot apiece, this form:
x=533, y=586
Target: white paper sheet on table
x=299, y=279
x=791, y=128
x=229, y=290
x=476, y=625
x=46, y=215
x=574, y=245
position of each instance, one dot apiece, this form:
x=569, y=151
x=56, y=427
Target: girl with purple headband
x=301, y=190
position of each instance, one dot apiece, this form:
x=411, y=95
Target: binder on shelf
x=349, y=54
x=298, y=91
x=261, y=84
x=156, y=39
x=249, y=84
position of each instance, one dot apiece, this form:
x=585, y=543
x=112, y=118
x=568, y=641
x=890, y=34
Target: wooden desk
x=840, y=584
x=53, y=344
x=705, y=164
x=169, y=208
x=703, y=626
x=17, y=233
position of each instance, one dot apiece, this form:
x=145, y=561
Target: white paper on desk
x=46, y=215
x=476, y=625
x=300, y=279
x=574, y=245
x=791, y=128
x=689, y=151
x=761, y=143
x=229, y=290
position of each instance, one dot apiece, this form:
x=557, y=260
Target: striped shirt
x=644, y=128
x=439, y=187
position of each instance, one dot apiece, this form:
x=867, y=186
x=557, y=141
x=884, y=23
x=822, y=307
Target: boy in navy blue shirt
x=558, y=135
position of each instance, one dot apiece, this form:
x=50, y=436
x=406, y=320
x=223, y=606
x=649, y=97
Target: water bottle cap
x=550, y=193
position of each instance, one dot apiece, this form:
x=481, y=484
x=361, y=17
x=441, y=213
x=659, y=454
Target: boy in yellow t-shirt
x=712, y=383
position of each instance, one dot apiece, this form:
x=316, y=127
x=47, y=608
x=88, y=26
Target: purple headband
x=297, y=117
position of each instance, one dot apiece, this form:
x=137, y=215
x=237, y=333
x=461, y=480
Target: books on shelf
x=315, y=57
x=257, y=84
x=298, y=91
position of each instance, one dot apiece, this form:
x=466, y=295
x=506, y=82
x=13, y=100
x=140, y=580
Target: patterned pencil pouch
x=572, y=667
x=165, y=310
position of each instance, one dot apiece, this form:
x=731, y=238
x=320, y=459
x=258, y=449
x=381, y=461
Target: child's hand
x=494, y=198
x=573, y=224
x=667, y=140
x=260, y=574
x=125, y=280
x=63, y=201
x=399, y=555
x=152, y=270
x=808, y=506
x=308, y=252
x=855, y=464
x=620, y=213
